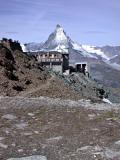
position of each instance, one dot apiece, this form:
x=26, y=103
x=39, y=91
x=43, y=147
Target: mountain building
x=81, y=67
x=56, y=61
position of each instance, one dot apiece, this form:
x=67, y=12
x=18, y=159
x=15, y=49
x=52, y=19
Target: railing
x=50, y=59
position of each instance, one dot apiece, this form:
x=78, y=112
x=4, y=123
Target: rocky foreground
x=54, y=129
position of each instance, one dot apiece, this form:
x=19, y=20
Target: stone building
x=82, y=67
x=56, y=61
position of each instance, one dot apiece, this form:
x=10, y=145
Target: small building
x=82, y=67
x=56, y=61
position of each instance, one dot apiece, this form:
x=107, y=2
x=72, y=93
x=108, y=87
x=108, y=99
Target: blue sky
x=95, y=22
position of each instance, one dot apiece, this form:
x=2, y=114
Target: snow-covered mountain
x=61, y=42
x=57, y=41
x=95, y=50
x=109, y=54
x=32, y=47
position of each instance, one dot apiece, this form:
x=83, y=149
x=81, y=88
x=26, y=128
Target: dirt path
x=42, y=86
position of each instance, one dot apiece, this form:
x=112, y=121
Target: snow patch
x=76, y=46
x=93, y=49
x=61, y=48
x=24, y=49
x=84, y=52
x=113, y=57
x=107, y=100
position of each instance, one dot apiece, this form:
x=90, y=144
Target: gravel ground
x=55, y=129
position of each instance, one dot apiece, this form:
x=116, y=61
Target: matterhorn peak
x=59, y=35
x=58, y=26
